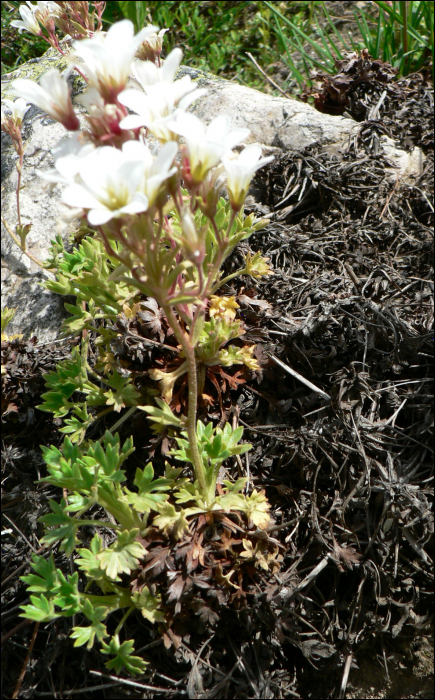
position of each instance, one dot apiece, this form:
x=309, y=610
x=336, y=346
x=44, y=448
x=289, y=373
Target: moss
x=35, y=68
x=203, y=78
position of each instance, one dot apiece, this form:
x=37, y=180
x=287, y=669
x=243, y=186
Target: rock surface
x=275, y=122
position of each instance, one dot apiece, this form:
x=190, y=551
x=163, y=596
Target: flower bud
x=11, y=123
x=193, y=247
x=211, y=190
x=151, y=48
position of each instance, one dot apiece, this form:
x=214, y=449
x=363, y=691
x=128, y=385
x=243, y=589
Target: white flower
x=111, y=186
x=67, y=155
x=206, y=146
x=157, y=82
x=44, y=10
x=240, y=172
x=43, y=7
x=28, y=22
x=155, y=108
x=155, y=111
x=107, y=57
x=52, y=95
x=148, y=74
x=18, y=109
x=155, y=169
x=91, y=100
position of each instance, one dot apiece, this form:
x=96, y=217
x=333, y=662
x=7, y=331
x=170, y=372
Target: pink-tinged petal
x=52, y=95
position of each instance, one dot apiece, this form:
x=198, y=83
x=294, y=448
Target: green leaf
x=124, y=394
x=86, y=635
x=237, y=486
x=149, y=605
x=257, y=509
x=124, y=658
x=45, y=579
x=123, y=555
x=66, y=533
x=7, y=316
x=77, y=425
x=41, y=609
x=66, y=467
x=67, y=378
x=171, y=521
x=50, y=581
x=146, y=500
x=89, y=562
x=161, y=416
x=62, y=285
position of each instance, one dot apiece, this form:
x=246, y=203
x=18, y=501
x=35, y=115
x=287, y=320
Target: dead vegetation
x=345, y=571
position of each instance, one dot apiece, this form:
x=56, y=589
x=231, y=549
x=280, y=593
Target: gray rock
x=38, y=312
x=275, y=122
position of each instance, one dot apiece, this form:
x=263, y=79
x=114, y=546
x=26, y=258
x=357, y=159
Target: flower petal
x=77, y=196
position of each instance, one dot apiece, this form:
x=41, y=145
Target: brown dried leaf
x=205, y=612
x=157, y=560
x=176, y=588
x=152, y=318
x=346, y=556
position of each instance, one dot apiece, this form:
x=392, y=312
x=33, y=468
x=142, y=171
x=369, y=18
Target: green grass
x=215, y=36
x=400, y=34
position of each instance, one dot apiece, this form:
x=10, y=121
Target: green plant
x=401, y=34
x=215, y=35
x=145, y=240
x=7, y=316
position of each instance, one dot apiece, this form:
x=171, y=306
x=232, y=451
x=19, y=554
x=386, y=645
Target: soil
x=347, y=463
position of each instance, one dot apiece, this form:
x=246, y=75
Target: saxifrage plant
x=146, y=240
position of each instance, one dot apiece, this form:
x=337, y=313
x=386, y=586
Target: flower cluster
x=160, y=106
x=71, y=18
